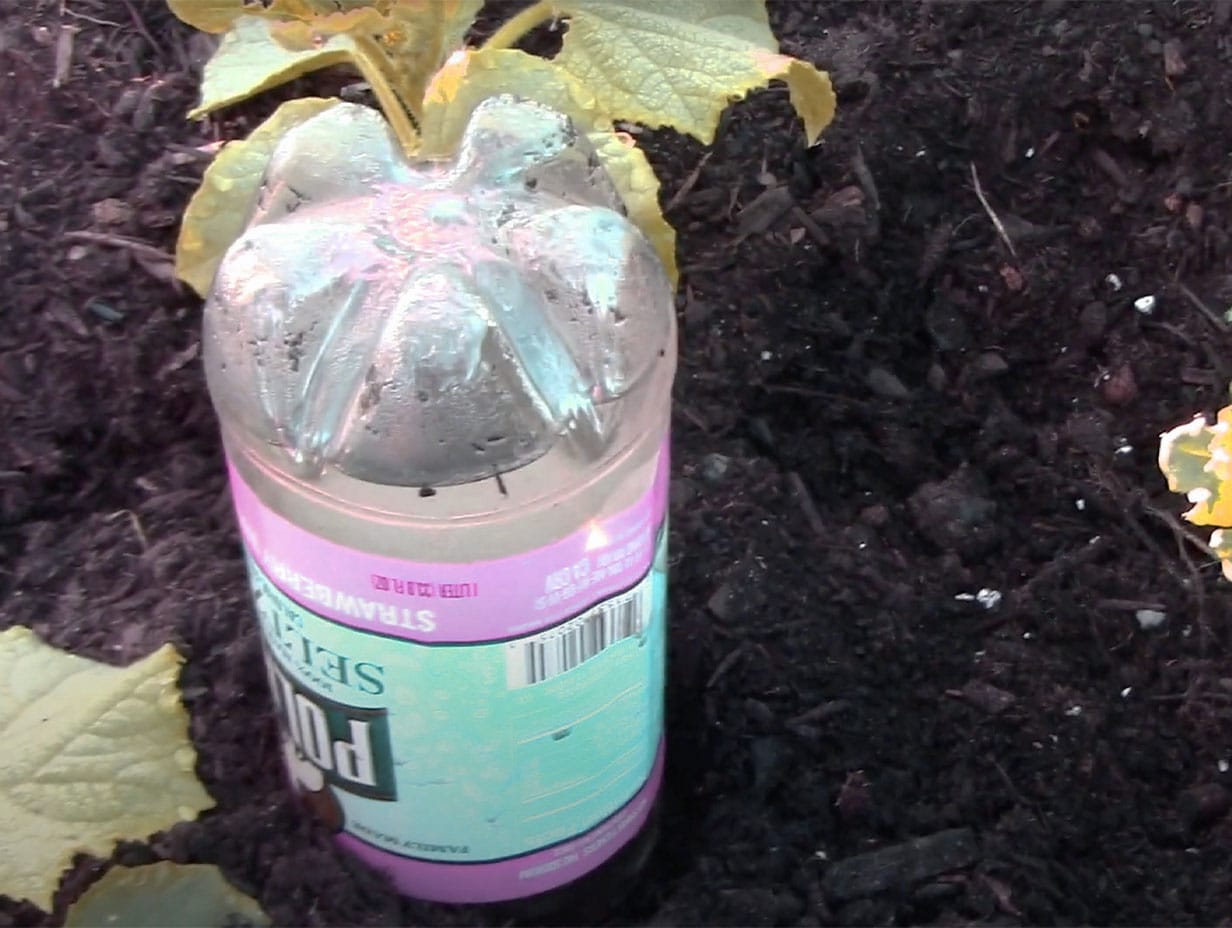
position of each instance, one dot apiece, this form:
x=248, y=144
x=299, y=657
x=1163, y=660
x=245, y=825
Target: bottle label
x=481, y=731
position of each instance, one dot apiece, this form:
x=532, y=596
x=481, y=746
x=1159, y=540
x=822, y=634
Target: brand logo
x=284, y=625
x=348, y=744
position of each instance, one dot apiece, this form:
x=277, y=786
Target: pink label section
x=455, y=603
x=520, y=876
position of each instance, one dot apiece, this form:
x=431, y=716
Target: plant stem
x=524, y=22
x=368, y=58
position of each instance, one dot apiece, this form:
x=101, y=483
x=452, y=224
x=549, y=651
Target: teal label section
x=471, y=752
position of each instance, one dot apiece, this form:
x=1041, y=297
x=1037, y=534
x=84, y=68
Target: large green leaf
x=94, y=754
x=249, y=60
x=681, y=64
x=396, y=44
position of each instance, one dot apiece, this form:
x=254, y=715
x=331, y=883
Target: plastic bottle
x=444, y=394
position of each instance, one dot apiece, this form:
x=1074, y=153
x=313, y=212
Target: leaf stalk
x=513, y=30
x=368, y=60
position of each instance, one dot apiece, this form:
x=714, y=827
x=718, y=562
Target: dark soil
x=882, y=409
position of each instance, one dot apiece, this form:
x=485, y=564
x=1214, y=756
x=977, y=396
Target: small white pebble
x=1222, y=765
x=1080, y=504
x=1125, y=692
x=1186, y=631
x=1145, y=304
x=1074, y=711
x=1125, y=448
x=767, y=355
x=1150, y=618
x=1030, y=152
x=1113, y=281
x=1027, y=636
x=989, y=599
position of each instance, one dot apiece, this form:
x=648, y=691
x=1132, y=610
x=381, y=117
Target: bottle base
x=590, y=899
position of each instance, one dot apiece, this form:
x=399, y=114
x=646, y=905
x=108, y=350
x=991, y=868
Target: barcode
x=534, y=660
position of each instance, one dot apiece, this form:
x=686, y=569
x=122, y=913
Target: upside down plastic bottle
x=444, y=393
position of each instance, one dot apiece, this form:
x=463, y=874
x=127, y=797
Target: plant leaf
x=422, y=36
x=164, y=895
x=1196, y=458
x=470, y=78
x=102, y=755
x=308, y=34
x=249, y=60
x=638, y=186
x=218, y=212
x=1221, y=544
x=454, y=18
x=219, y=15
x=212, y=15
x=473, y=76
x=405, y=41
x=681, y=64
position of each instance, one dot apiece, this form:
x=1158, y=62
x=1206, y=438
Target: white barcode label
x=542, y=657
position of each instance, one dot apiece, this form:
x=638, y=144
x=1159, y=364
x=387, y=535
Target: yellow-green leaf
x=471, y=77
x=1184, y=453
x=454, y=18
x=1212, y=510
x=809, y=90
x=212, y=15
x=1221, y=544
x=219, y=15
x=249, y=60
x=422, y=36
x=1196, y=458
x=219, y=211
x=681, y=64
x=638, y=186
x=396, y=44
x=164, y=895
x=97, y=754
x=303, y=35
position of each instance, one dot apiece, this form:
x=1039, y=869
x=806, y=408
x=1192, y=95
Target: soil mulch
x=916, y=508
